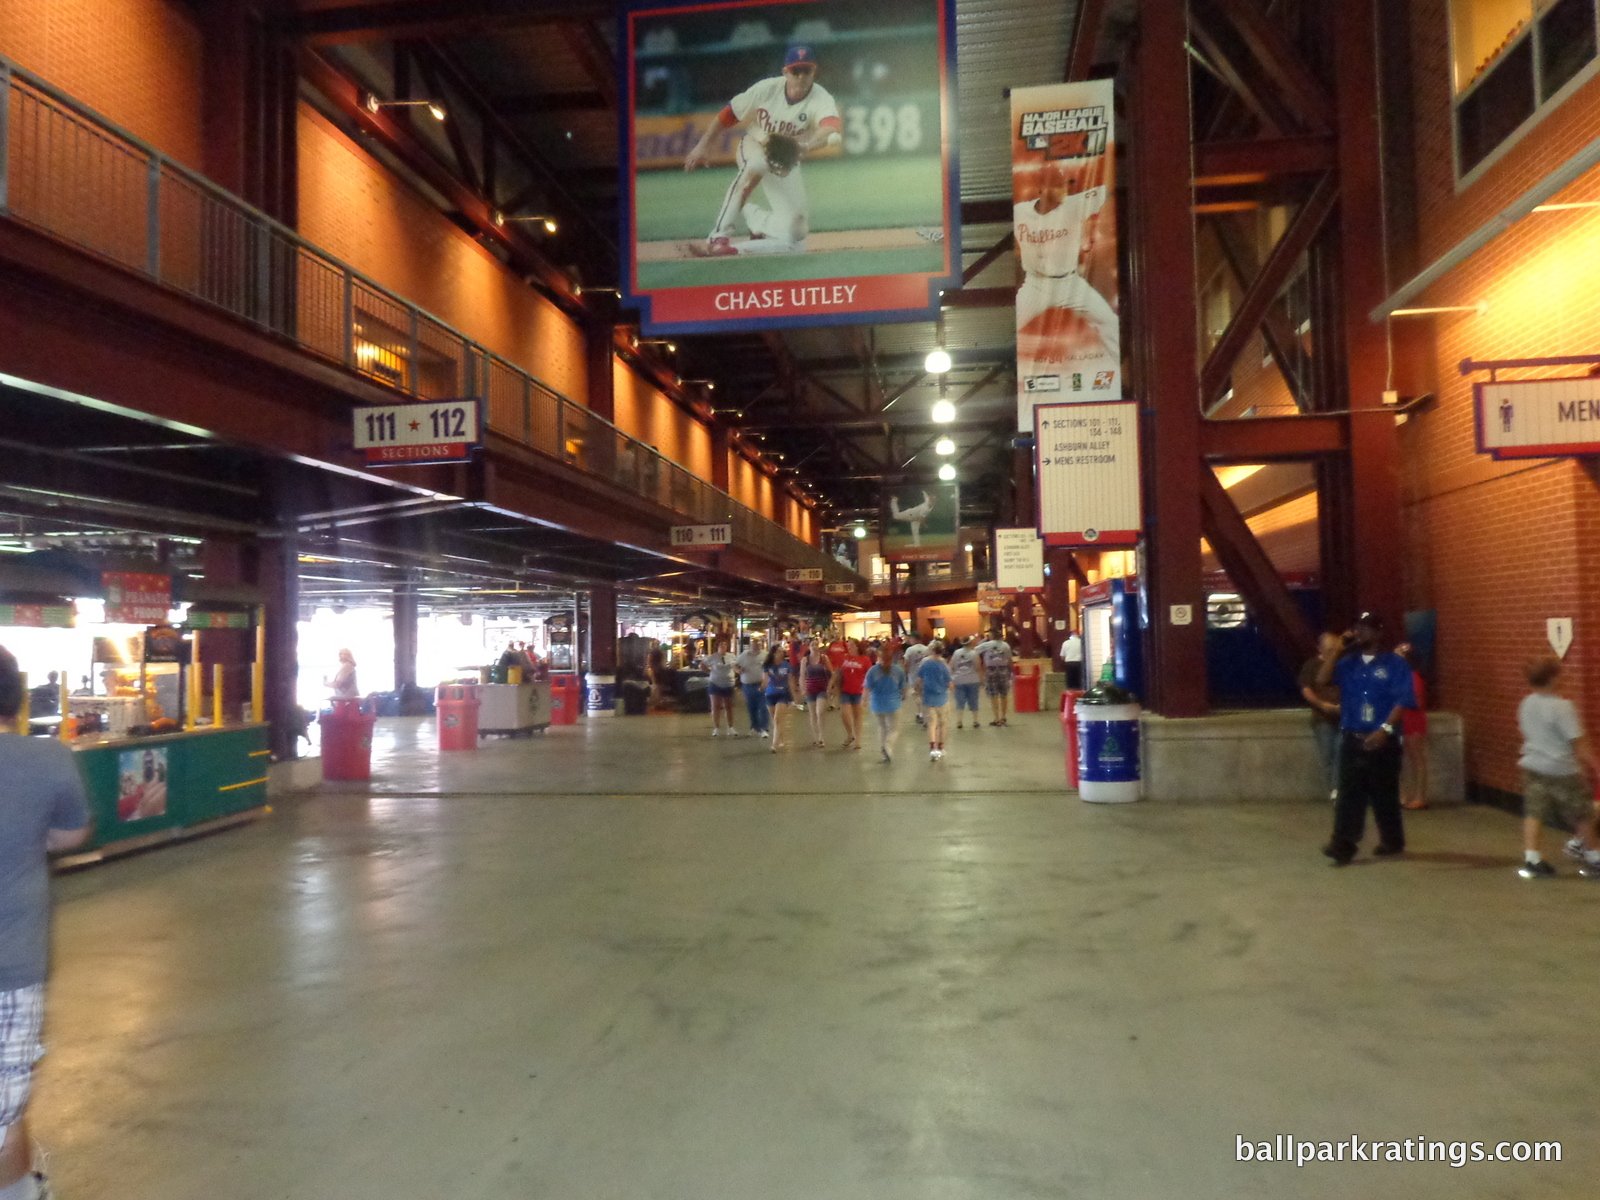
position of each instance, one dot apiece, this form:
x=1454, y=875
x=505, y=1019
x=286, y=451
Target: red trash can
x=457, y=704
x=1069, y=727
x=564, y=703
x=347, y=740
x=1025, y=692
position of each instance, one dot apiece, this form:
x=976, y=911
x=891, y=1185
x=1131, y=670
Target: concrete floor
x=627, y=962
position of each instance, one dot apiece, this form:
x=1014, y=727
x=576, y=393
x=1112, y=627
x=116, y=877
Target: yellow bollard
x=66, y=707
x=258, y=696
x=191, y=709
x=216, y=694
x=23, y=714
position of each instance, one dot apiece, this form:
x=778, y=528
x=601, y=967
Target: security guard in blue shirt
x=1374, y=688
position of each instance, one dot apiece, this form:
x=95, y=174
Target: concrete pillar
x=602, y=640
x=278, y=576
x=405, y=646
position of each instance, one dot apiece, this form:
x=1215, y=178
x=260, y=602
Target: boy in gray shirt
x=1555, y=757
x=42, y=808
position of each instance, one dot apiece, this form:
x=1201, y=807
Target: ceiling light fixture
x=1480, y=308
x=937, y=362
x=860, y=531
x=944, y=446
x=372, y=104
x=947, y=472
x=944, y=411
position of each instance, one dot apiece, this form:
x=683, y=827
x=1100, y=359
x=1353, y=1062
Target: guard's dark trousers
x=1367, y=778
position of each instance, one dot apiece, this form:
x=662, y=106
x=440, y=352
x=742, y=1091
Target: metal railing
x=68, y=172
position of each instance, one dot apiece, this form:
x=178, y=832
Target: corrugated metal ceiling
x=1002, y=44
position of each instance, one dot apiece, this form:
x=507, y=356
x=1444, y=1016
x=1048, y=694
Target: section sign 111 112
x=437, y=431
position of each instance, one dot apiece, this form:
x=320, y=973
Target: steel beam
x=1264, y=289
x=1376, y=553
x=1165, y=288
x=1258, y=159
x=1085, y=36
x=1282, y=64
x=1251, y=571
x=1274, y=439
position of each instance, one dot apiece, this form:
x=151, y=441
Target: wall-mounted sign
x=38, y=616
x=702, y=535
x=398, y=435
x=990, y=599
x=803, y=575
x=1088, y=459
x=840, y=589
x=136, y=598
x=1559, y=631
x=1018, y=560
x=1063, y=161
x=788, y=162
x=1538, y=418
x=195, y=619
x=165, y=644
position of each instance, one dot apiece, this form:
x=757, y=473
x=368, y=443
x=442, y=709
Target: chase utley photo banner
x=788, y=162
x=1064, y=214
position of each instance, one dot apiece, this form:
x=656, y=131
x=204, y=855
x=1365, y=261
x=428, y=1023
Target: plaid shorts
x=1556, y=799
x=997, y=681
x=21, y=1014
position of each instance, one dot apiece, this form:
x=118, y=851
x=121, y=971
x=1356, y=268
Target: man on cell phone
x=1374, y=690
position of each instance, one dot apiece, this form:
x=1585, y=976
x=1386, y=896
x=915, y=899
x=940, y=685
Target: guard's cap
x=800, y=55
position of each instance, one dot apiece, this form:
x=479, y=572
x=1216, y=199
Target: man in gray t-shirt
x=42, y=808
x=1559, y=772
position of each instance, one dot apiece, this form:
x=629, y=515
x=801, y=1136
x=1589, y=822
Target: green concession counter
x=149, y=789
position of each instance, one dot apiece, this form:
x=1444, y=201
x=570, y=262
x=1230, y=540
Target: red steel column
x=1374, y=477
x=1166, y=357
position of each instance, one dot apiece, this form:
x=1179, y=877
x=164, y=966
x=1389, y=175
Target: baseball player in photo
x=784, y=118
x=1050, y=234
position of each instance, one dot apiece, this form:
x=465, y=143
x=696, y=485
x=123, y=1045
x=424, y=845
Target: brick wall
x=141, y=63
x=357, y=211
x=645, y=413
x=1496, y=548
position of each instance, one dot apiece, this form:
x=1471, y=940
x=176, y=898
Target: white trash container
x=1108, y=746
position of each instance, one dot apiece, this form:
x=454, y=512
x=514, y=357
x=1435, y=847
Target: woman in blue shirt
x=886, y=688
x=933, y=687
x=778, y=673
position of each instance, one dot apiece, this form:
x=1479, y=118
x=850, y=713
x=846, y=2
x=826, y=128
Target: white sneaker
x=764, y=733
x=1574, y=848
x=715, y=732
x=932, y=754
x=733, y=733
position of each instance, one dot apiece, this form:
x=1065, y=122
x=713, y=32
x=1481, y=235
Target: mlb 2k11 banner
x=788, y=162
x=1063, y=161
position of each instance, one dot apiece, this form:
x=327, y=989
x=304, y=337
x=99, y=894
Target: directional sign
x=1088, y=457
x=702, y=535
x=1539, y=418
x=803, y=575
x=840, y=589
x=395, y=435
x=1019, y=560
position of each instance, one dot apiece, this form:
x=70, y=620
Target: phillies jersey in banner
x=1051, y=242
x=766, y=108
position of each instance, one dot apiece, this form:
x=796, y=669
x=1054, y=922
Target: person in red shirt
x=852, y=677
x=1414, y=729
x=836, y=652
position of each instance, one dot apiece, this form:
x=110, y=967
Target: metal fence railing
x=72, y=174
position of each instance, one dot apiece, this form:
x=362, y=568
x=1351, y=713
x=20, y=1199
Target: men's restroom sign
x=1559, y=631
x=1538, y=418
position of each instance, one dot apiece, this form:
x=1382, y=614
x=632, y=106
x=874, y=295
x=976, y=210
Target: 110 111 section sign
x=438, y=431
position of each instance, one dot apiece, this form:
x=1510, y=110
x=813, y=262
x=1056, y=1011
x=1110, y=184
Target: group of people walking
x=881, y=677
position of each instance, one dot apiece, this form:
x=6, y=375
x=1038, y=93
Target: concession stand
x=145, y=711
